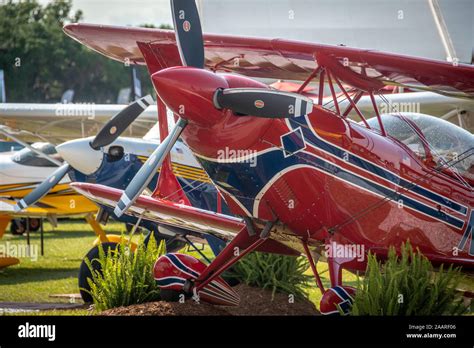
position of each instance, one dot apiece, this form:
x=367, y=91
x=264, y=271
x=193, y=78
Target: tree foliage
x=41, y=62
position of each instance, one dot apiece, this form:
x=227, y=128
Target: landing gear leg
x=337, y=300
x=97, y=228
x=335, y=271
x=205, y=282
x=313, y=268
x=227, y=256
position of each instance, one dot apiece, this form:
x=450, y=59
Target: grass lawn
x=56, y=271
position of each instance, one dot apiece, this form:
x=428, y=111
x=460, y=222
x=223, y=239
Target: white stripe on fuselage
x=291, y=168
x=375, y=164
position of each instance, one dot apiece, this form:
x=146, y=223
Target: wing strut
x=333, y=93
x=321, y=87
x=376, y=109
x=308, y=80
x=168, y=186
x=341, y=87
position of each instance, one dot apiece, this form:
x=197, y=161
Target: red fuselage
x=323, y=176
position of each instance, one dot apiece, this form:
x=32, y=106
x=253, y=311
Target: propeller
x=108, y=134
x=149, y=168
x=262, y=103
x=253, y=102
x=40, y=191
x=188, y=32
x=117, y=124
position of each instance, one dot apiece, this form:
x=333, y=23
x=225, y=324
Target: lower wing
x=166, y=212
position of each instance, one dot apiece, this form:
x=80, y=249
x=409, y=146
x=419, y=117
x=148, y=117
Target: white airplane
x=23, y=171
x=59, y=122
x=28, y=165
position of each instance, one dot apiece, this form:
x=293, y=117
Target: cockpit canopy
x=449, y=146
x=28, y=157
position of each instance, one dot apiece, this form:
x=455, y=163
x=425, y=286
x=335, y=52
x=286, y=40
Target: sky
x=361, y=23
x=124, y=12
x=399, y=26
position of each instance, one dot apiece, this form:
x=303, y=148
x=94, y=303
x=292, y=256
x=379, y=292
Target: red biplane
x=299, y=177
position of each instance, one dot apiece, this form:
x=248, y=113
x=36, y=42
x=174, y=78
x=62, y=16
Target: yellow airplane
x=34, y=182
x=20, y=173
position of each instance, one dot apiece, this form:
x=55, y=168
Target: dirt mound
x=253, y=301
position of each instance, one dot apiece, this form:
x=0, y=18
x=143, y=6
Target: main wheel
x=18, y=227
x=35, y=224
x=85, y=272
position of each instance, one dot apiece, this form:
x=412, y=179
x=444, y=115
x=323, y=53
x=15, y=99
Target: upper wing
x=60, y=122
x=279, y=59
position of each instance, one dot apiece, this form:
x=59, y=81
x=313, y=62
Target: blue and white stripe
x=344, y=304
x=214, y=289
x=273, y=164
x=315, y=140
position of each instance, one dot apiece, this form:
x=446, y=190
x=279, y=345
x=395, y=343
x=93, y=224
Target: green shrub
x=126, y=278
x=274, y=272
x=407, y=285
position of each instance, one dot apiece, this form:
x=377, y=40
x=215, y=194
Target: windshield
x=27, y=157
x=447, y=142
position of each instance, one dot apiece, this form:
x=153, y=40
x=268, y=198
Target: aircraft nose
x=189, y=92
x=80, y=155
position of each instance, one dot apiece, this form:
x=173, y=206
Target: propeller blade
x=187, y=27
x=148, y=170
x=117, y=124
x=263, y=103
x=39, y=192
